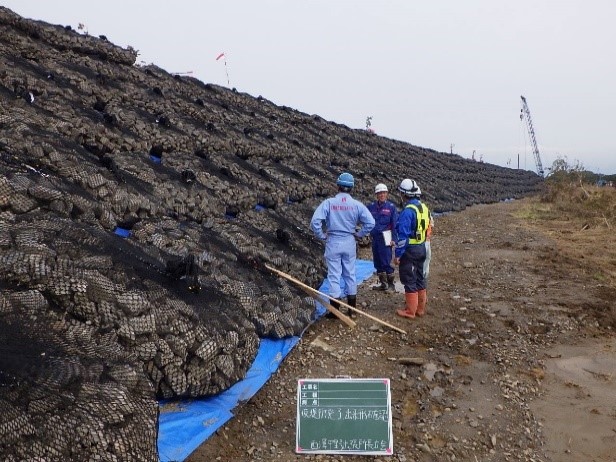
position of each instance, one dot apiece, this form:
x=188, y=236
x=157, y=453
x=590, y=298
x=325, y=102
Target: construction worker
x=411, y=229
x=426, y=266
x=385, y=216
x=335, y=221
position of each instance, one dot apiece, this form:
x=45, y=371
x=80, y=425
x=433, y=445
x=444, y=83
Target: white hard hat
x=380, y=188
x=409, y=187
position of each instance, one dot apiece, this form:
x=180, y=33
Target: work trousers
x=340, y=256
x=381, y=255
x=426, y=266
x=411, y=268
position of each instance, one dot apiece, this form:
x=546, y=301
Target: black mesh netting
x=208, y=184
x=68, y=392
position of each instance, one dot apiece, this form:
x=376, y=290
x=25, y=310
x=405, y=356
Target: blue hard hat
x=346, y=179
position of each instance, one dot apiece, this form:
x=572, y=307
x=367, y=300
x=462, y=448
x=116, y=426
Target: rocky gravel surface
x=464, y=377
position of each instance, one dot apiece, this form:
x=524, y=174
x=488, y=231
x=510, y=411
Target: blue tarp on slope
x=185, y=425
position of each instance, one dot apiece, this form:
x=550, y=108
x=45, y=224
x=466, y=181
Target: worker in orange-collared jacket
x=426, y=266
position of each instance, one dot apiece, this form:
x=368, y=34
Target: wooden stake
x=301, y=284
x=313, y=293
x=343, y=317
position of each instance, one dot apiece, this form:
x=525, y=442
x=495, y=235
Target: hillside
x=137, y=209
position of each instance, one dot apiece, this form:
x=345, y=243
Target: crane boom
x=531, y=132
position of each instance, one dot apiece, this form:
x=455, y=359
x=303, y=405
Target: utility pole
x=451, y=148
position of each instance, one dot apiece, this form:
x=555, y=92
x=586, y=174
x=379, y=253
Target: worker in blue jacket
x=335, y=221
x=385, y=216
x=412, y=226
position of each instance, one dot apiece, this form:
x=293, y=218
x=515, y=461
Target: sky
x=445, y=75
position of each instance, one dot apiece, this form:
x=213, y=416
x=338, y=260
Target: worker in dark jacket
x=383, y=237
x=411, y=228
x=335, y=221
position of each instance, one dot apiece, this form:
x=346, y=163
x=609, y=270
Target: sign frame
x=344, y=416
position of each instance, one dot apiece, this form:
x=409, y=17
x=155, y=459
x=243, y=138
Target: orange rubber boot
x=411, y=305
x=422, y=298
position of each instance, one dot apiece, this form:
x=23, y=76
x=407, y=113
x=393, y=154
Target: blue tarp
x=122, y=232
x=185, y=425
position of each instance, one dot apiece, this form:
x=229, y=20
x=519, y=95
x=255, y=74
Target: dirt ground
x=515, y=360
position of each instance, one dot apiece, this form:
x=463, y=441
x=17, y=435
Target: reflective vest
x=423, y=221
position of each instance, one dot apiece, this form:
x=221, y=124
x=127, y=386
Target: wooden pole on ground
x=343, y=317
x=301, y=284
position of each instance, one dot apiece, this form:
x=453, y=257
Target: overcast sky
x=445, y=75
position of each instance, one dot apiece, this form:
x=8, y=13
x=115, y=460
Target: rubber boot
x=335, y=304
x=382, y=281
x=390, y=283
x=422, y=298
x=352, y=300
x=411, y=305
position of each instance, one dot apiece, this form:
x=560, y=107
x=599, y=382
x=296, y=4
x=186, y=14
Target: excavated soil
x=514, y=360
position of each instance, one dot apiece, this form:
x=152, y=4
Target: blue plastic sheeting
x=363, y=270
x=122, y=232
x=185, y=425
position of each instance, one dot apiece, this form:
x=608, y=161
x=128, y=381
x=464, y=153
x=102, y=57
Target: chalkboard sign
x=344, y=416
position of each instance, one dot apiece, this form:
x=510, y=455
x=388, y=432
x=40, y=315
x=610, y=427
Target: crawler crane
x=525, y=113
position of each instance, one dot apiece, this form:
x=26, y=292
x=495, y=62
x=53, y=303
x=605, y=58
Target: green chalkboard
x=344, y=416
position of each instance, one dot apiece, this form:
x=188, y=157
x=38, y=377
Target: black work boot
x=382, y=282
x=336, y=305
x=352, y=300
x=390, y=283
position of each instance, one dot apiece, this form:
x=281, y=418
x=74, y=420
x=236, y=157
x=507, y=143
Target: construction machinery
x=525, y=114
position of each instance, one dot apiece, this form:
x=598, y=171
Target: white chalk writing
x=355, y=444
x=319, y=413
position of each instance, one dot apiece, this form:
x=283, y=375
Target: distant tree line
x=563, y=170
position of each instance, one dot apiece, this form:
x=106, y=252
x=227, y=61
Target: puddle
x=578, y=410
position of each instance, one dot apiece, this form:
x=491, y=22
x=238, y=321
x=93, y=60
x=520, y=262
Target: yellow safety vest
x=423, y=221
